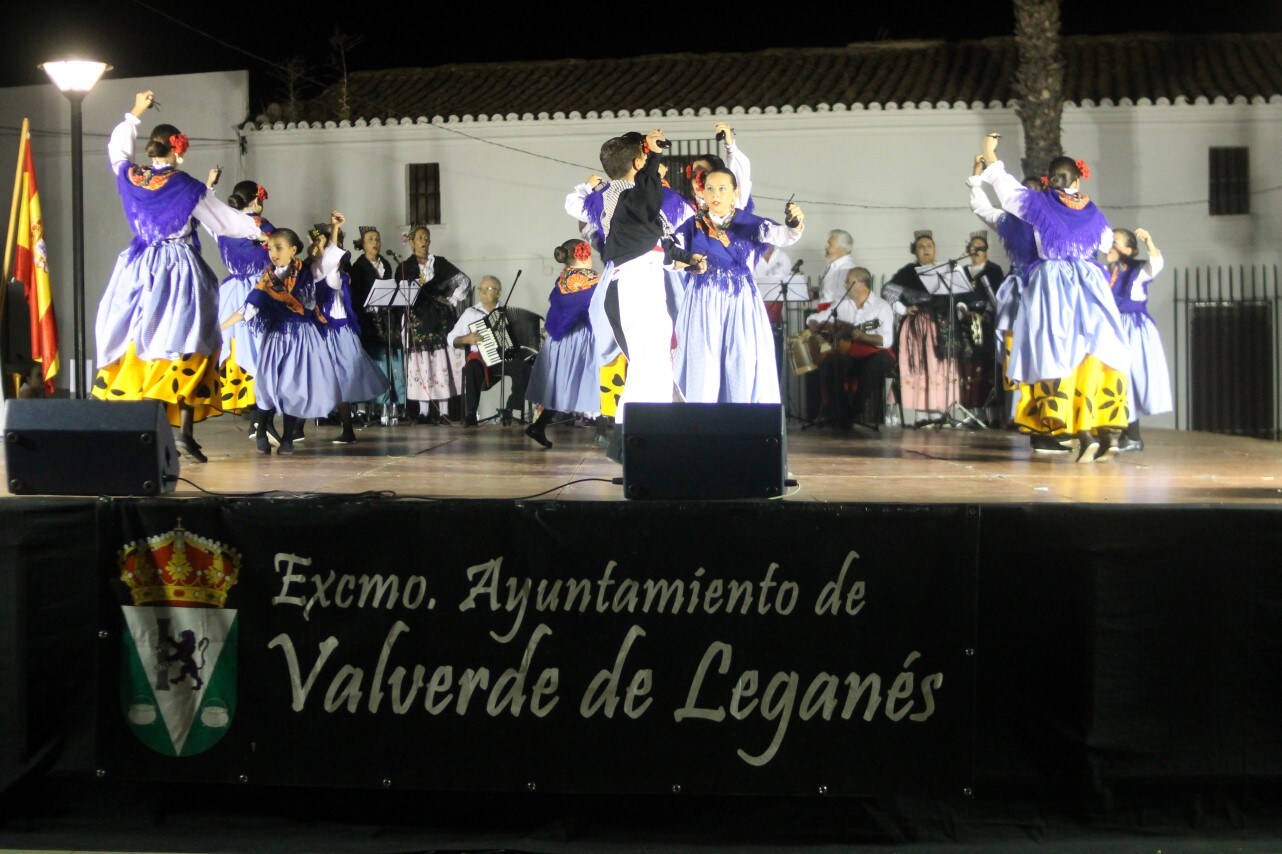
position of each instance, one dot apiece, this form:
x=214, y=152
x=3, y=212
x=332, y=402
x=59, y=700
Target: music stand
x=389, y=294
x=781, y=289
x=948, y=278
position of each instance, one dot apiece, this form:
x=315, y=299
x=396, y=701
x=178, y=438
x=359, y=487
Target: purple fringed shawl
x=242, y=256
x=327, y=306
x=155, y=214
x=1122, y=279
x=567, y=311
x=676, y=210
x=729, y=267
x=1019, y=241
x=594, y=208
x=1064, y=232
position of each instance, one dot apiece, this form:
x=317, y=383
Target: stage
x=894, y=465
x=935, y=637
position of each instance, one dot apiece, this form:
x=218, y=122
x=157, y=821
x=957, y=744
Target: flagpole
x=13, y=218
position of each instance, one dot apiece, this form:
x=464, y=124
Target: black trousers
x=870, y=372
x=516, y=373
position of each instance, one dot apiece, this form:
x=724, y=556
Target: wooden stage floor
x=896, y=465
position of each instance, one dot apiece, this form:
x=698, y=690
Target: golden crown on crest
x=179, y=568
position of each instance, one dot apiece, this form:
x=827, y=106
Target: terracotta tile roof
x=1098, y=69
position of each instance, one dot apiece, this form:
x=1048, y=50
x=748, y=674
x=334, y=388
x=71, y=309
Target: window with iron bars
x=1230, y=181
x=682, y=153
x=424, y=185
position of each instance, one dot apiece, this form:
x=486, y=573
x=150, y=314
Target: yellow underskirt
x=238, y=384
x=612, y=377
x=1094, y=396
x=192, y=380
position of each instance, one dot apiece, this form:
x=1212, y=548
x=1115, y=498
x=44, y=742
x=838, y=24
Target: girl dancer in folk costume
x=1150, y=377
x=434, y=372
x=244, y=260
x=927, y=380
x=1021, y=248
x=368, y=267
x=725, y=348
x=157, y=325
x=359, y=376
x=295, y=370
x=1069, y=350
x=565, y=376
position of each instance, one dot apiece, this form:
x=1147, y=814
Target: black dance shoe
x=188, y=447
x=1048, y=445
x=1087, y=447
x=1108, y=446
x=535, y=432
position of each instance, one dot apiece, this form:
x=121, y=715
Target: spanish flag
x=31, y=266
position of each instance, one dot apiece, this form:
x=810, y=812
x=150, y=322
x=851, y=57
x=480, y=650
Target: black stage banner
x=567, y=647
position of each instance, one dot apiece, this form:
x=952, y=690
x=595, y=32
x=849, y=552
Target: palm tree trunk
x=1039, y=82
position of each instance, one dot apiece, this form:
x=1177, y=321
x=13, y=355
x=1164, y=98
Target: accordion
x=495, y=342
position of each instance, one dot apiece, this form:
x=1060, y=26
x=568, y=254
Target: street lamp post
x=74, y=78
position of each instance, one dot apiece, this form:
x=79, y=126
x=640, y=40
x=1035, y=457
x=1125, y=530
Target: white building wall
x=878, y=173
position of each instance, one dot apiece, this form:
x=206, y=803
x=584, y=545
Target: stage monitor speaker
x=704, y=451
x=88, y=447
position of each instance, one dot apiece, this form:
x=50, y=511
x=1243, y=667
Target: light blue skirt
x=1066, y=312
x=296, y=373
x=164, y=300
x=1007, y=308
x=565, y=376
x=1150, y=376
x=725, y=349
x=359, y=376
x=232, y=293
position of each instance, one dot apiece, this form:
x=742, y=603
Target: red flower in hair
x=262, y=193
x=645, y=146
x=582, y=252
x=1084, y=169
x=178, y=142
x=1043, y=179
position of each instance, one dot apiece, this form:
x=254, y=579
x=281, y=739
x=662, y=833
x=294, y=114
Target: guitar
x=843, y=332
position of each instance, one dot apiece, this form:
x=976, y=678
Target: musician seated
x=477, y=376
x=861, y=327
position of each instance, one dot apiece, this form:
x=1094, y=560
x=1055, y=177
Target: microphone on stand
x=796, y=268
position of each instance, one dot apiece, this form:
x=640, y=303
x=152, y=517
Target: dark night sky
x=138, y=41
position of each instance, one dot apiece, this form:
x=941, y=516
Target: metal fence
x=1226, y=349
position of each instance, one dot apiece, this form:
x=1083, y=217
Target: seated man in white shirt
x=476, y=376
x=861, y=328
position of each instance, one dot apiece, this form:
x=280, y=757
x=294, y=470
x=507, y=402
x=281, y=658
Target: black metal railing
x=1226, y=350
